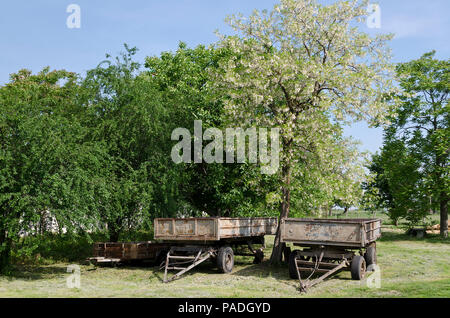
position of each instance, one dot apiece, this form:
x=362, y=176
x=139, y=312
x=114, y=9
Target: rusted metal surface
x=212, y=229
x=351, y=233
x=128, y=251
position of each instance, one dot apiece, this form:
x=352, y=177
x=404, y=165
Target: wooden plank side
x=202, y=229
x=373, y=230
x=247, y=227
x=128, y=250
x=341, y=232
x=310, y=231
x=212, y=229
x=163, y=227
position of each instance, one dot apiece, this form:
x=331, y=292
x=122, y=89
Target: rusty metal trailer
x=195, y=240
x=328, y=246
x=128, y=252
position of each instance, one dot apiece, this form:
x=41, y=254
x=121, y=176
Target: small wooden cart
x=329, y=246
x=195, y=240
x=113, y=253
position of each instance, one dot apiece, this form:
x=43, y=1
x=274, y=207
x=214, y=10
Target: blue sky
x=34, y=33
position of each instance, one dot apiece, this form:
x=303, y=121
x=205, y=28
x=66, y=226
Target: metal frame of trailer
x=195, y=240
x=328, y=247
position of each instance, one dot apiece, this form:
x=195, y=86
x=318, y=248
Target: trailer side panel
x=212, y=229
x=241, y=227
x=346, y=233
x=129, y=251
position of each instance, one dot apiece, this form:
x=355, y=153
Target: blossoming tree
x=305, y=68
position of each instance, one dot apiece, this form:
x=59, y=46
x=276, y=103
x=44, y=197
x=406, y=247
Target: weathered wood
x=351, y=233
x=129, y=251
x=212, y=229
x=312, y=264
x=104, y=260
x=183, y=257
x=316, y=270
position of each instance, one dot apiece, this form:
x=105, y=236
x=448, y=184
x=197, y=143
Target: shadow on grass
x=265, y=269
x=36, y=272
x=205, y=268
x=281, y=273
x=208, y=268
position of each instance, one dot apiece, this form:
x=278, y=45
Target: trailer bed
x=125, y=252
x=213, y=229
x=348, y=233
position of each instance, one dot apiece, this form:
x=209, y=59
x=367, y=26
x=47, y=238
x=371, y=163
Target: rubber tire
x=286, y=254
x=371, y=255
x=225, y=259
x=292, y=269
x=358, y=267
x=259, y=257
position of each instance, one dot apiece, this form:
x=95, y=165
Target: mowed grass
x=409, y=268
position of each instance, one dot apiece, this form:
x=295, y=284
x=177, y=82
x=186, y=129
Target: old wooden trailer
x=196, y=240
x=329, y=246
x=113, y=253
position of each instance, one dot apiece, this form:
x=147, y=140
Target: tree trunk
x=5, y=249
x=444, y=214
x=113, y=233
x=278, y=247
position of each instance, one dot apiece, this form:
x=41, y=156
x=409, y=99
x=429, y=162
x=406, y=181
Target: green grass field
x=409, y=268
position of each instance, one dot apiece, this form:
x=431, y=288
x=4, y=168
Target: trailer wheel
x=292, y=268
x=371, y=254
x=358, y=267
x=225, y=259
x=259, y=257
x=286, y=254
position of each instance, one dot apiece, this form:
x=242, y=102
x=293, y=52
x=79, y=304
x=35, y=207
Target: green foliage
x=413, y=167
x=400, y=183
x=127, y=119
x=40, y=138
x=183, y=78
x=93, y=154
x=50, y=248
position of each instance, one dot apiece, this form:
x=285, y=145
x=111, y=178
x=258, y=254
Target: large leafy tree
x=42, y=148
x=421, y=131
x=183, y=79
x=126, y=117
x=399, y=183
x=304, y=67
